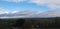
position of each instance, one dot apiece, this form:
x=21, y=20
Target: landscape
x=42, y=22
x=29, y=14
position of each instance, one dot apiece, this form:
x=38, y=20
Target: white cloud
x=50, y=3
x=14, y=11
x=14, y=0
x=2, y=11
x=28, y=12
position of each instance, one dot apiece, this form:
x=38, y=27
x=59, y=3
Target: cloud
x=26, y=12
x=32, y=14
x=53, y=4
x=14, y=11
x=21, y=14
x=15, y=0
x=2, y=11
x=50, y=13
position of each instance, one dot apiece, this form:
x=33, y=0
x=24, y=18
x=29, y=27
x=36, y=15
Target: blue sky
x=19, y=5
x=12, y=6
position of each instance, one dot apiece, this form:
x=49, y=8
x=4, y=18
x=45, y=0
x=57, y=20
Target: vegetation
x=30, y=23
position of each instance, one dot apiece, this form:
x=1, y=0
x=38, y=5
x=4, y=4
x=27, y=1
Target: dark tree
x=19, y=23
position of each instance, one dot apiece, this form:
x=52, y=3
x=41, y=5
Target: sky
x=22, y=5
x=19, y=5
x=29, y=6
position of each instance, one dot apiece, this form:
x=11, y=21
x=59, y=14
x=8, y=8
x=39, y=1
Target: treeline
x=30, y=23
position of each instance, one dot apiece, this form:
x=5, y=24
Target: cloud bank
x=21, y=14
x=30, y=14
